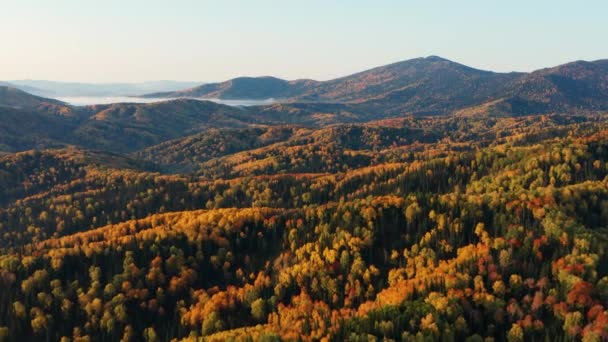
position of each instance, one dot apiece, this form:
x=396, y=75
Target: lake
x=91, y=100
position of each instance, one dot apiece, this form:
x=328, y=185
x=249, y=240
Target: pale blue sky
x=136, y=40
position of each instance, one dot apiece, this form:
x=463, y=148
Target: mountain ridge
x=219, y=89
x=429, y=86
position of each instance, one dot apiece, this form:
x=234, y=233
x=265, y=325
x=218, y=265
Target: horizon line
x=294, y=79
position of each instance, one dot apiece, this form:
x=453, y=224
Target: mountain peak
x=433, y=58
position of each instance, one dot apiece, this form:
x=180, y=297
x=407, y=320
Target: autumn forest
x=387, y=206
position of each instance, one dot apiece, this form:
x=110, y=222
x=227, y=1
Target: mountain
x=572, y=87
x=68, y=89
x=423, y=86
x=432, y=86
x=432, y=75
x=419, y=81
x=253, y=88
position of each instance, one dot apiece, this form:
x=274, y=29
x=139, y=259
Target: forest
x=419, y=228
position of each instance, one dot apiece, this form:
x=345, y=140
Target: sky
x=198, y=40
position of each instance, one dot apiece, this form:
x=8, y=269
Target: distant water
x=91, y=100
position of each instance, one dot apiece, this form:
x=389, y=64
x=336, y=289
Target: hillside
x=125, y=126
x=31, y=121
x=573, y=87
x=18, y=99
x=408, y=228
x=185, y=154
x=128, y=127
x=28, y=121
x=25, y=129
x=34, y=172
x=434, y=75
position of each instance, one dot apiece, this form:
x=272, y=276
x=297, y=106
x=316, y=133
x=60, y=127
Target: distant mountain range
x=65, y=89
x=431, y=86
x=424, y=86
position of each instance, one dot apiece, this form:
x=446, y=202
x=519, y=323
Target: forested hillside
x=328, y=178
x=463, y=227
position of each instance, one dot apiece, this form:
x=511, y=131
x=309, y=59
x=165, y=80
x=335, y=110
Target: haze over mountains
x=74, y=89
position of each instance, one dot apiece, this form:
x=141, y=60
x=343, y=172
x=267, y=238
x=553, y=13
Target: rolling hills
x=405, y=228
x=422, y=86
x=126, y=127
